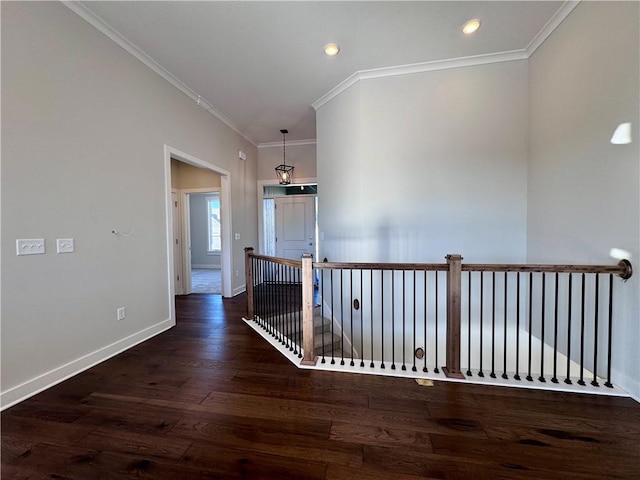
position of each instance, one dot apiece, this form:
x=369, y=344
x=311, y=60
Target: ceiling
x=260, y=65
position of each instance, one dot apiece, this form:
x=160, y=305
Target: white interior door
x=295, y=226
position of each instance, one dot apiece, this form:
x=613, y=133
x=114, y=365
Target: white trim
x=420, y=68
x=205, y=266
x=225, y=215
x=292, y=143
x=239, y=290
x=550, y=26
x=431, y=375
x=94, y=20
x=42, y=382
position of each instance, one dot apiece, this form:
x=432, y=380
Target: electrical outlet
x=30, y=246
x=122, y=313
x=237, y=273
x=65, y=245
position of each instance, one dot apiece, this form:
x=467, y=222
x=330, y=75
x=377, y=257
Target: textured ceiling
x=261, y=65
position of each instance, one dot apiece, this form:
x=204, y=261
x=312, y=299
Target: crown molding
x=420, y=68
x=475, y=60
x=97, y=22
x=551, y=25
x=292, y=143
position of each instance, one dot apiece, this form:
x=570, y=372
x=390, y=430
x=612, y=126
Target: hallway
x=211, y=399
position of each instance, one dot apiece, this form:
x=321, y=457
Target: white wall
x=302, y=157
x=584, y=192
x=414, y=167
x=84, y=126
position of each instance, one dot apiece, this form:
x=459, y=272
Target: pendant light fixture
x=284, y=171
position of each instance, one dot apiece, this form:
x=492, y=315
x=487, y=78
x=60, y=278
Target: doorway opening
x=289, y=221
x=205, y=241
x=179, y=194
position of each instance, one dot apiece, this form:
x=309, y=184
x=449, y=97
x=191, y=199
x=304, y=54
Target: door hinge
x=178, y=277
x=176, y=241
x=175, y=204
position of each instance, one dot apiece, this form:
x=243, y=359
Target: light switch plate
x=29, y=246
x=65, y=245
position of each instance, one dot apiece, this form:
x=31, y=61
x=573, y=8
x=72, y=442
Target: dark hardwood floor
x=211, y=399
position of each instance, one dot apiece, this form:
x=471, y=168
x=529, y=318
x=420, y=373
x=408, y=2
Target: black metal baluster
x=371, y=320
x=342, y=316
x=609, y=333
x=569, y=305
x=469, y=374
x=333, y=312
x=351, y=309
x=542, y=322
x=529, y=377
x=289, y=319
x=493, y=325
x=281, y=302
x=436, y=369
x=299, y=310
x=414, y=322
x=276, y=302
x=594, y=382
x=289, y=323
x=322, y=317
x=481, y=373
x=517, y=375
x=382, y=317
x=554, y=379
x=393, y=320
x=504, y=351
x=361, y=322
x=424, y=368
x=265, y=296
x=404, y=336
x=582, y=314
x=295, y=273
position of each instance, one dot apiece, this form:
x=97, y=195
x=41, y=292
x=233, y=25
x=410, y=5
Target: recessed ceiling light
x=471, y=26
x=331, y=49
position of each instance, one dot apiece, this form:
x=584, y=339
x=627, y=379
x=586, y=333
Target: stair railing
x=534, y=320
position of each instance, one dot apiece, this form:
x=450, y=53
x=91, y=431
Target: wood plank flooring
x=210, y=399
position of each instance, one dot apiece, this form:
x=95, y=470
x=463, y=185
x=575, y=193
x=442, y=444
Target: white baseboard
x=239, y=290
x=205, y=266
x=630, y=385
x=40, y=383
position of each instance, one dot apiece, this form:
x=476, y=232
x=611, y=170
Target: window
x=213, y=221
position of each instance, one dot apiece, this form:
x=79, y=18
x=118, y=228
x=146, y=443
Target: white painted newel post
x=309, y=357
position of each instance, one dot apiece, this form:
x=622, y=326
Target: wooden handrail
x=623, y=268
x=436, y=267
x=278, y=260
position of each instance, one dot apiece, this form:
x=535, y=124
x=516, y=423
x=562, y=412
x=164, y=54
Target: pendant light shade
x=284, y=171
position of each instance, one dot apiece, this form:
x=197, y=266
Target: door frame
x=225, y=219
x=186, y=232
x=272, y=183
x=177, y=225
